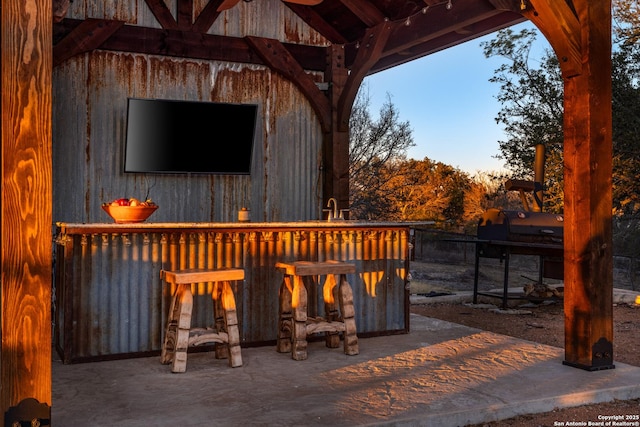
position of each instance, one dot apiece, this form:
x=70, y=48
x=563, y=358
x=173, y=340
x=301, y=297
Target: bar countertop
x=142, y=227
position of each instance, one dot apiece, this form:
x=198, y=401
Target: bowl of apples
x=125, y=211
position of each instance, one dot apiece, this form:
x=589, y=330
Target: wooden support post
x=336, y=141
x=588, y=252
x=25, y=356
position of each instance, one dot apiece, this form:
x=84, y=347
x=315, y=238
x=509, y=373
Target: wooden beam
x=185, y=14
x=318, y=23
x=207, y=17
x=558, y=22
x=26, y=224
x=60, y=8
x=87, y=36
x=432, y=45
x=227, y=4
x=437, y=22
x=274, y=54
x=336, y=141
x=373, y=43
x=182, y=44
x=365, y=11
x=588, y=242
x=162, y=14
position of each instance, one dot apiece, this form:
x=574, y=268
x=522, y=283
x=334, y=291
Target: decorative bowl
x=129, y=214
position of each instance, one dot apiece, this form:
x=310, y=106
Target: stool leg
x=299, y=305
x=329, y=294
x=345, y=298
x=221, y=349
x=285, y=316
x=184, y=309
x=169, y=345
x=231, y=325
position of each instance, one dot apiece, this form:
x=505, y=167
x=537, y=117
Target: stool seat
x=179, y=335
x=294, y=321
x=311, y=268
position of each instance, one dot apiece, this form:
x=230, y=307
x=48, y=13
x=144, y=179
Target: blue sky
x=450, y=104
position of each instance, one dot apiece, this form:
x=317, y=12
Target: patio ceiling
x=412, y=28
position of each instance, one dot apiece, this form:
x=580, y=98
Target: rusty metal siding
x=89, y=128
x=89, y=123
x=246, y=18
x=110, y=301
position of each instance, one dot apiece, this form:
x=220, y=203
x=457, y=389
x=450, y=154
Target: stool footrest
x=206, y=337
x=324, y=326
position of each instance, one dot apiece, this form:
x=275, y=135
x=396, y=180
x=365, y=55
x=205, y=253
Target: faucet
x=333, y=214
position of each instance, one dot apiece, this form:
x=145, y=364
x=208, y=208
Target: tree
x=626, y=127
x=487, y=190
x=384, y=185
x=425, y=190
x=429, y=191
x=626, y=20
x=532, y=111
x=626, y=108
x=375, y=147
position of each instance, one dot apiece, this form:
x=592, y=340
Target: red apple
x=122, y=202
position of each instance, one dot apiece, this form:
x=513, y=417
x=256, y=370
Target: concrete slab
x=440, y=374
x=620, y=296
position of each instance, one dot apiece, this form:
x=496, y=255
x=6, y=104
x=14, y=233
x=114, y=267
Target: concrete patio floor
x=440, y=374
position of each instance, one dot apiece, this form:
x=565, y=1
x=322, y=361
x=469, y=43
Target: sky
x=450, y=104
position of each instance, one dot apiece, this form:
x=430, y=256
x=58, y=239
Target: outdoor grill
x=521, y=227
x=502, y=233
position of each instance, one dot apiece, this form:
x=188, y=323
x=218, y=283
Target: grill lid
x=521, y=226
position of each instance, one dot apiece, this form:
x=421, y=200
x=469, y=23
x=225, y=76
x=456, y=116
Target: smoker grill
x=503, y=233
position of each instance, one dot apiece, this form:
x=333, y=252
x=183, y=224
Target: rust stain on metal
x=297, y=31
x=97, y=87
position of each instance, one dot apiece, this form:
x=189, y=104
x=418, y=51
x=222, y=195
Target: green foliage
x=626, y=131
x=531, y=95
x=532, y=113
x=384, y=185
x=430, y=191
x=626, y=20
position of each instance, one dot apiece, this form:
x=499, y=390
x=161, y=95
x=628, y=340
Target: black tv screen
x=167, y=136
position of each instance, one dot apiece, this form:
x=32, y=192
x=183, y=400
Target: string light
x=407, y=21
x=448, y=4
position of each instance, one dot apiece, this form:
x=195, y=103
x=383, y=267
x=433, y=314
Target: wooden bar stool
x=179, y=335
x=294, y=323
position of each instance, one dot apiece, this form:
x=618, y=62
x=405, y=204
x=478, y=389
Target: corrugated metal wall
x=90, y=94
x=246, y=18
x=109, y=297
x=110, y=300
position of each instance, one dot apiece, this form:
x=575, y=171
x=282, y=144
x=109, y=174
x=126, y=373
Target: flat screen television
x=168, y=136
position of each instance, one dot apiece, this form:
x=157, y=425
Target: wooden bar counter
x=110, y=302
